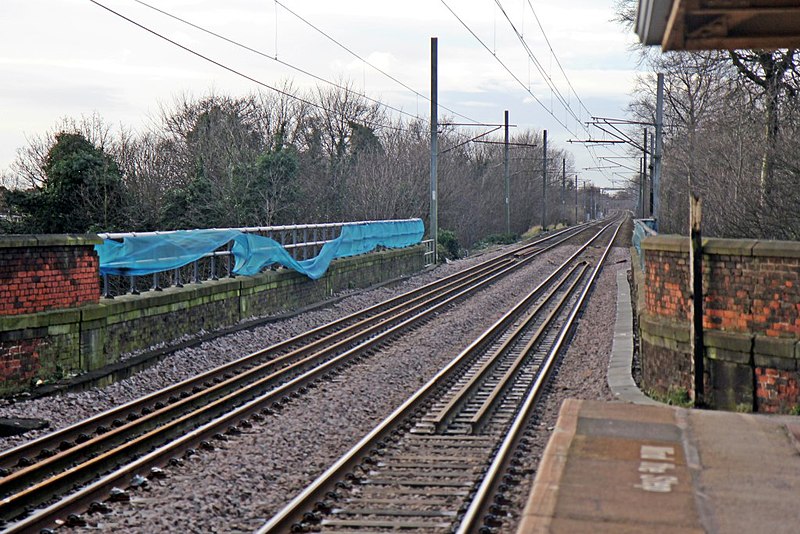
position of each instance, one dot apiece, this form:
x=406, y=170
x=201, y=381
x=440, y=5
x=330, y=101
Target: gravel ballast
x=247, y=478
x=581, y=374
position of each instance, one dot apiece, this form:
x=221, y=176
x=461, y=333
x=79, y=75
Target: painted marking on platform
x=655, y=462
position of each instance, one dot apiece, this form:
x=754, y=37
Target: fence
x=642, y=228
x=302, y=241
x=429, y=256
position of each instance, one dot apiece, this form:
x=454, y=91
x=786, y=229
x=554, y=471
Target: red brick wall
x=19, y=360
x=36, y=278
x=742, y=293
x=751, y=289
x=666, y=290
x=758, y=295
x=776, y=391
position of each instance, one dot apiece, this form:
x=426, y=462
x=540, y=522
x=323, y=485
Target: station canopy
x=719, y=24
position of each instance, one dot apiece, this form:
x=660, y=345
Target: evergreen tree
x=82, y=190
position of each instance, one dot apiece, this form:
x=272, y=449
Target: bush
x=497, y=239
x=448, y=245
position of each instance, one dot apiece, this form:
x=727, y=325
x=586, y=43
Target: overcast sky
x=68, y=58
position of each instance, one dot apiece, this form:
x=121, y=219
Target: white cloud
x=100, y=63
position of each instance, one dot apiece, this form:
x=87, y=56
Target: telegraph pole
x=434, y=223
x=506, y=177
x=544, y=181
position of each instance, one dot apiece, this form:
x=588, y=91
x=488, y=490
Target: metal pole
x=544, y=181
x=657, y=151
x=434, y=222
x=641, y=189
x=651, y=198
x=586, y=210
x=576, y=200
x=506, y=178
x=645, y=195
x=563, y=214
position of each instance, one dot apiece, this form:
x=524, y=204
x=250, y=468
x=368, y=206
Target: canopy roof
x=719, y=24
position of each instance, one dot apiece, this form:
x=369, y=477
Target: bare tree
x=774, y=73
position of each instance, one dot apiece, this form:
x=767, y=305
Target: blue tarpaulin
x=147, y=254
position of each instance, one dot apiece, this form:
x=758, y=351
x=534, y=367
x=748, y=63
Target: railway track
x=136, y=439
x=443, y=461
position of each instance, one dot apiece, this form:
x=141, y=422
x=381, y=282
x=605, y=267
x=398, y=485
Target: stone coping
x=153, y=302
x=720, y=246
x=48, y=240
x=619, y=377
x=723, y=345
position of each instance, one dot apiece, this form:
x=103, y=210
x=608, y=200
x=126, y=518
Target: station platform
x=641, y=466
x=617, y=467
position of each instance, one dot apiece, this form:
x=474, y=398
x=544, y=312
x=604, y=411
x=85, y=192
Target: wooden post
x=696, y=281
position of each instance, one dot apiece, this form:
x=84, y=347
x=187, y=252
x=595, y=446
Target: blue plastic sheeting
x=147, y=254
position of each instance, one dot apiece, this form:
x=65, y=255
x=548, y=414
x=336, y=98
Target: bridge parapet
x=53, y=323
x=751, y=319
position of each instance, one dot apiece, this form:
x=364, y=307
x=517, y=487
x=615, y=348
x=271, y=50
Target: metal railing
x=429, y=257
x=302, y=241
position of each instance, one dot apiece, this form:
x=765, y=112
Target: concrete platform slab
x=614, y=467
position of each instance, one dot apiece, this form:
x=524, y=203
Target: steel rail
x=474, y=515
x=27, y=487
x=147, y=441
x=61, y=440
x=491, y=400
x=226, y=417
x=446, y=413
x=46, y=446
x=292, y=514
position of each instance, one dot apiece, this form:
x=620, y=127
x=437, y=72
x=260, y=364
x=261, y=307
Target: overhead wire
x=319, y=78
x=239, y=73
x=563, y=72
x=510, y=72
x=470, y=140
x=547, y=78
x=370, y=64
x=274, y=58
x=555, y=56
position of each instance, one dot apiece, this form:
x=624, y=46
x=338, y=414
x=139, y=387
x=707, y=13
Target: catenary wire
x=239, y=73
x=500, y=61
x=541, y=28
x=369, y=64
x=592, y=153
x=545, y=76
x=273, y=58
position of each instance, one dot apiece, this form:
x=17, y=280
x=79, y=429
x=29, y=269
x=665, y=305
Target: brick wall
x=776, y=390
x=41, y=273
x=751, y=320
x=53, y=344
x=758, y=294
